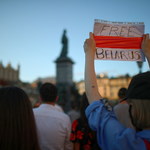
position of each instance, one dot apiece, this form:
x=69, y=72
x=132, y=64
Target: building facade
x=108, y=87
x=8, y=74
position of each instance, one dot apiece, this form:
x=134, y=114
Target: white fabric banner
x=118, y=29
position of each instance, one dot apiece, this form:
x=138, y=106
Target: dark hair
x=84, y=121
x=48, y=92
x=17, y=124
x=83, y=105
x=122, y=93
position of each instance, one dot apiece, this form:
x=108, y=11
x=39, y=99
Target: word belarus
x=118, y=40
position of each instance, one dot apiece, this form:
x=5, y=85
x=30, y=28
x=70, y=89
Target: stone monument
x=64, y=74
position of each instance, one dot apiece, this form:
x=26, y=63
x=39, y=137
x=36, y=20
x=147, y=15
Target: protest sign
x=118, y=40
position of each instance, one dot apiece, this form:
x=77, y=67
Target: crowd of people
x=98, y=126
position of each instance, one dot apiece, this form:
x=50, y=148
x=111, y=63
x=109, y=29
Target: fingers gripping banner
x=118, y=40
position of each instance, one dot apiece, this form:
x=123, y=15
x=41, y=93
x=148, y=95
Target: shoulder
x=59, y=108
x=121, y=106
x=35, y=110
x=63, y=116
x=98, y=105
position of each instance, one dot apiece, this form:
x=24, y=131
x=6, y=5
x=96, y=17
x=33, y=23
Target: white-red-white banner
x=118, y=40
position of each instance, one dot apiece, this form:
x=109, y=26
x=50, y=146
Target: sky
x=31, y=31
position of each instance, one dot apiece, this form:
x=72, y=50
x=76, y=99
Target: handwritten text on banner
x=118, y=40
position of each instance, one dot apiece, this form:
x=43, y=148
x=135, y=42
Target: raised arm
x=146, y=47
x=91, y=86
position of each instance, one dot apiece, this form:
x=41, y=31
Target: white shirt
x=53, y=128
x=59, y=108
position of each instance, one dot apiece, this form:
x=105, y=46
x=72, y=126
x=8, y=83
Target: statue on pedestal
x=64, y=42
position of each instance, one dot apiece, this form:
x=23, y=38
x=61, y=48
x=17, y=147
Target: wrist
x=90, y=56
x=147, y=55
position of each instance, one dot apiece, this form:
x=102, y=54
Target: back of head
x=48, y=92
x=74, y=105
x=122, y=93
x=138, y=96
x=17, y=125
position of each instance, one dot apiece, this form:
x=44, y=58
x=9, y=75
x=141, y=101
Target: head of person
x=74, y=105
x=122, y=93
x=138, y=98
x=48, y=92
x=17, y=124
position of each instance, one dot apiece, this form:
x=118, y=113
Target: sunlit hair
x=140, y=113
x=17, y=124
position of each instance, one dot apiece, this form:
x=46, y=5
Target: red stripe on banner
x=118, y=42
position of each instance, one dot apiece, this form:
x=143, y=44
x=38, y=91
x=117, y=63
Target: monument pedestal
x=64, y=81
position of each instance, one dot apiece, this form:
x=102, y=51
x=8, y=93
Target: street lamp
x=140, y=64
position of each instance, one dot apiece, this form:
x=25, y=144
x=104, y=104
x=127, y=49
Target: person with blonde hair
x=111, y=134
x=121, y=109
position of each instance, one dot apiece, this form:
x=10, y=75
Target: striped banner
x=119, y=40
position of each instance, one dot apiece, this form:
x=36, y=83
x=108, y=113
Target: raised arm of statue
x=64, y=41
